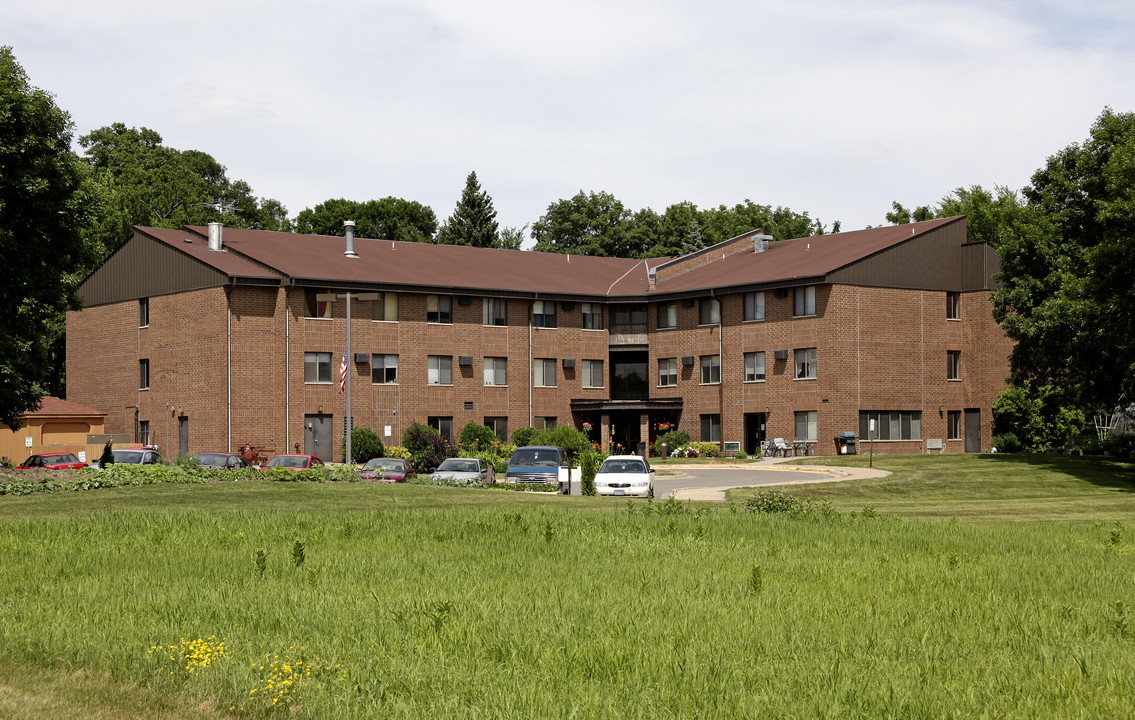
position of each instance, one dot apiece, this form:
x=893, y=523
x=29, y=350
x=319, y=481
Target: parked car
x=542, y=464
x=387, y=470
x=221, y=461
x=625, y=475
x=52, y=461
x=145, y=455
x=465, y=469
x=294, y=462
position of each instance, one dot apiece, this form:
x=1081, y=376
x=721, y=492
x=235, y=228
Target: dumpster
x=845, y=443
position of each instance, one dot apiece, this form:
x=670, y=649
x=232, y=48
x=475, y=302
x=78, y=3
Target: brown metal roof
x=319, y=260
x=194, y=242
x=389, y=262
x=808, y=257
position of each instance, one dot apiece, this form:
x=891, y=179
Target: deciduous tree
x=42, y=212
x=390, y=218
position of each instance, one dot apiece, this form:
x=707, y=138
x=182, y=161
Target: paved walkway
x=823, y=474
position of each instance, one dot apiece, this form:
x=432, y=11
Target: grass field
x=407, y=602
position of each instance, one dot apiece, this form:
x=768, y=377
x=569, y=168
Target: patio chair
x=782, y=447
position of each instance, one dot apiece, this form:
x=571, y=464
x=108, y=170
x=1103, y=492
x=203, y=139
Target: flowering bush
x=283, y=677
x=685, y=452
x=193, y=656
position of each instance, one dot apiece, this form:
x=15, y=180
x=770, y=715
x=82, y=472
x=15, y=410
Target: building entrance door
x=182, y=436
x=973, y=430
x=317, y=436
x=754, y=431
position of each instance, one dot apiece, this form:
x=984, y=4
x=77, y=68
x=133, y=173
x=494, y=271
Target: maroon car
x=386, y=470
x=294, y=462
x=52, y=461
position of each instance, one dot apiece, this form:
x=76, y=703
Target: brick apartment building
x=215, y=338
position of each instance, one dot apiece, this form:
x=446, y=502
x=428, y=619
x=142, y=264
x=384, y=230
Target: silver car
x=465, y=469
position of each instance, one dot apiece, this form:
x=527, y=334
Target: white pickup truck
x=542, y=464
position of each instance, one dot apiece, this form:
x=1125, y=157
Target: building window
x=592, y=373
x=495, y=311
x=143, y=374
x=317, y=367
x=544, y=372
x=444, y=426
x=496, y=371
x=953, y=364
x=805, y=301
x=805, y=363
x=439, y=370
x=385, y=308
x=592, y=314
x=806, y=426
x=667, y=372
x=384, y=369
x=315, y=308
x=543, y=314
x=143, y=312
x=754, y=366
x=144, y=435
x=953, y=306
x=546, y=423
x=498, y=425
x=954, y=425
x=709, y=311
x=711, y=428
x=439, y=309
x=755, y=306
x=710, y=369
x=891, y=424
x=667, y=315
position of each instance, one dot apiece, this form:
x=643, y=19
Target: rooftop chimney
x=215, y=230
x=349, y=227
x=760, y=242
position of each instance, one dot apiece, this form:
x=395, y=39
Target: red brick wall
x=878, y=349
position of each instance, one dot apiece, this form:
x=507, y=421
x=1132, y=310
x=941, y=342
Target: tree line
x=1066, y=241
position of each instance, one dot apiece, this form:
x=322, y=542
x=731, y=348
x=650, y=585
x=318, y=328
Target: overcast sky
x=834, y=107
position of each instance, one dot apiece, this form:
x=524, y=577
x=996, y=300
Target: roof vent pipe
x=349, y=227
x=215, y=229
x=760, y=242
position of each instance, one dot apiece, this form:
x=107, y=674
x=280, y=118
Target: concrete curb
x=835, y=474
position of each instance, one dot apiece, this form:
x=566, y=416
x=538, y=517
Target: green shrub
x=426, y=446
x=773, y=501
x=1007, y=443
x=740, y=455
x=588, y=467
x=1119, y=444
x=522, y=436
x=365, y=444
x=674, y=440
x=397, y=451
x=564, y=436
x=475, y=437
x=707, y=449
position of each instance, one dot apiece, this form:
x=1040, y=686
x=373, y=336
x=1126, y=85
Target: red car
x=53, y=461
x=294, y=462
x=386, y=470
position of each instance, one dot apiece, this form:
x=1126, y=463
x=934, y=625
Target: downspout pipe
x=721, y=369
x=229, y=366
x=531, y=378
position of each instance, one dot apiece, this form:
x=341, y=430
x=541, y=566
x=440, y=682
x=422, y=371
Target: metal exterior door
x=317, y=436
x=182, y=436
x=973, y=430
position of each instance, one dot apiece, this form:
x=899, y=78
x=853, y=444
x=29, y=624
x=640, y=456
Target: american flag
x=343, y=371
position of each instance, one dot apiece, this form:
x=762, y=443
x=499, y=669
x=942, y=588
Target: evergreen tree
x=473, y=221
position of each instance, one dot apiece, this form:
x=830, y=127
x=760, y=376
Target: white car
x=625, y=475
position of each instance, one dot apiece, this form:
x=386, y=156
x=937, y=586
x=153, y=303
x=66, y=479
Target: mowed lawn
x=375, y=601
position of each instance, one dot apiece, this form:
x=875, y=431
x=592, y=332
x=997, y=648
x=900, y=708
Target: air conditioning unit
x=464, y=300
x=468, y=404
x=568, y=363
x=687, y=361
x=688, y=302
x=362, y=357
x=780, y=354
x=780, y=292
x=465, y=360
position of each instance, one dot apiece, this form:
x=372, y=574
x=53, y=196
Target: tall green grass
x=546, y=612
